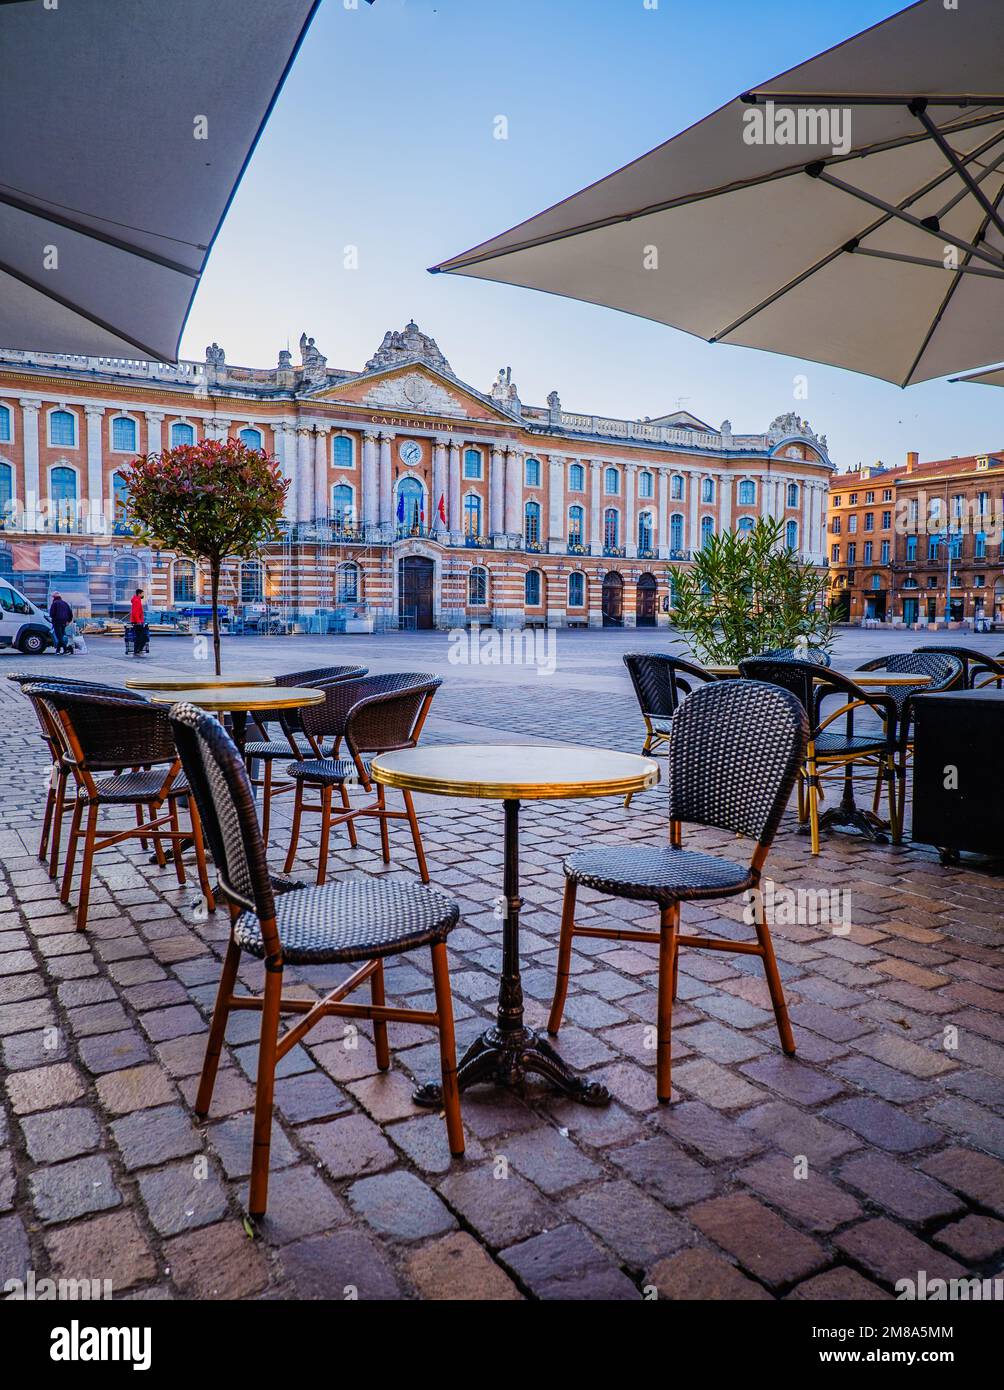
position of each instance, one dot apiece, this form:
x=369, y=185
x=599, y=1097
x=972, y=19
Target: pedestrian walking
x=61, y=615
x=140, y=632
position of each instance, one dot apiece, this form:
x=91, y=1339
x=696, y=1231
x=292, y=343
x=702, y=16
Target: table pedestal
x=508, y=1052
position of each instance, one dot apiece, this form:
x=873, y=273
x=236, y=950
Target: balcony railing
x=477, y=542
x=576, y=547
x=646, y=552
x=614, y=552
x=535, y=547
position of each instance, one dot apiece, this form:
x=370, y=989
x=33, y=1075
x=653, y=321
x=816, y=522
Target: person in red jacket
x=140, y=638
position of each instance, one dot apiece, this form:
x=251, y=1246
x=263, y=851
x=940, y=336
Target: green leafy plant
x=208, y=501
x=745, y=593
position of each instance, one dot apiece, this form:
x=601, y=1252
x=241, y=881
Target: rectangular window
x=885, y=552
x=886, y=520
x=836, y=526
x=869, y=521
x=835, y=554
x=472, y=463
x=869, y=498
x=868, y=552
x=852, y=552
x=887, y=494
x=852, y=524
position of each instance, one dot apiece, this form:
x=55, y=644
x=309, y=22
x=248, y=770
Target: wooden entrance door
x=646, y=601
x=415, y=575
x=613, y=599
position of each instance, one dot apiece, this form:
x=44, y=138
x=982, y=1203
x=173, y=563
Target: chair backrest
x=819, y=656
x=736, y=749
x=23, y=678
x=966, y=656
x=103, y=732
x=225, y=802
x=798, y=677
x=330, y=719
x=660, y=681
x=944, y=669
x=321, y=673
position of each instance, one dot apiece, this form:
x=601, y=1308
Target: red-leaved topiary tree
x=208, y=501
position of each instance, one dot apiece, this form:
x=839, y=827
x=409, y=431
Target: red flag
x=442, y=508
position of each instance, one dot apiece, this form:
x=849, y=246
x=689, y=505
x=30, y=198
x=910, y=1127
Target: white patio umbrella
x=847, y=212
x=125, y=128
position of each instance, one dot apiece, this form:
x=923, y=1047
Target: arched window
x=181, y=434
x=611, y=528
x=611, y=482
x=126, y=576
x=472, y=514
x=63, y=499
x=533, y=472
x=251, y=581
x=343, y=451
x=73, y=566
x=410, y=507
x=747, y=493
x=644, y=531
x=184, y=581
x=791, y=535
x=531, y=523
x=342, y=507
x=746, y=524
x=472, y=463
x=576, y=590
x=6, y=491
x=707, y=489
x=347, y=590
x=4, y=425
x=123, y=435
x=676, y=486
x=576, y=521
x=676, y=533
x=250, y=437
x=576, y=478
x=531, y=589
x=62, y=429
x=792, y=494
x=121, y=525
x=477, y=587
x=707, y=529
x=646, y=484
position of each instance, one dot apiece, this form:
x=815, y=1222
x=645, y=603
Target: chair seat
x=354, y=919
x=835, y=744
x=127, y=787
x=656, y=874
x=325, y=771
x=277, y=749
x=661, y=726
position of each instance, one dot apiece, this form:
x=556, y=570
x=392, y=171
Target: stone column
x=304, y=474
x=662, y=523
x=154, y=420
x=496, y=492
x=630, y=527
x=95, y=470
x=808, y=537
x=29, y=427
x=440, y=488
x=455, y=491
x=725, y=486
x=386, y=512
x=370, y=484
x=556, y=504
x=285, y=451
x=594, y=598
x=595, y=515
x=322, y=492
x=693, y=541
x=513, y=518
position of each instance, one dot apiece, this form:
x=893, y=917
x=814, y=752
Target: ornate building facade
x=415, y=499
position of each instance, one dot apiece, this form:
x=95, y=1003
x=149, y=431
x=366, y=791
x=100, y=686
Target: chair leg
x=350, y=825
x=90, y=836
x=200, y=856
x=564, y=957
x=266, y=798
x=669, y=925
x=57, y=823
x=416, y=835
x=179, y=863
x=50, y=801
x=896, y=791
x=380, y=1041
x=294, y=829
x=139, y=821
x=217, y=1030
x=800, y=784
x=447, y=1050
x=322, y=852
x=776, y=989
x=812, y=778
x=264, y=1089
x=71, y=852
x=382, y=819
x=676, y=975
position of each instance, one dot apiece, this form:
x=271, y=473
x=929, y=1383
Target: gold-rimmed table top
x=515, y=772
x=195, y=682
x=862, y=678
x=243, y=697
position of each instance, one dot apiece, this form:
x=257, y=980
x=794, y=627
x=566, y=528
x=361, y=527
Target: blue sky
x=383, y=139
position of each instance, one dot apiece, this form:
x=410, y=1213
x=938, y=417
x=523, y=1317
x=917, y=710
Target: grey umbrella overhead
x=846, y=212
x=125, y=128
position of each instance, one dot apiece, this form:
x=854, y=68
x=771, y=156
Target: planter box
x=358, y=624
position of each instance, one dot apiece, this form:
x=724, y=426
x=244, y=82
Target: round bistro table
x=508, y=1051
x=238, y=701
x=195, y=682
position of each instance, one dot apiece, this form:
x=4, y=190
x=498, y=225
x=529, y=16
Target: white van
x=22, y=623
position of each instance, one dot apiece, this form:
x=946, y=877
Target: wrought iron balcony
x=477, y=542
x=575, y=547
x=615, y=552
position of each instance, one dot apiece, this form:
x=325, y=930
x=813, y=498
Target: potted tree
x=746, y=592
x=208, y=501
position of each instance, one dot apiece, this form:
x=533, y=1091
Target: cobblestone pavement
x=874, y=1155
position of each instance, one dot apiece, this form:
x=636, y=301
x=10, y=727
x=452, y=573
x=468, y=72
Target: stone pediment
x=415, y=389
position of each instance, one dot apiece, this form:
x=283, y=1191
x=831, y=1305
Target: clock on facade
x=410, y=453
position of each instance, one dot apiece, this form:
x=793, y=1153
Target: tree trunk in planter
x=214, y=592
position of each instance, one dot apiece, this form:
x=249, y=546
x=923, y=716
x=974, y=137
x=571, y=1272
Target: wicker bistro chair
x=978, y=669
x=56, y=801
x=733, y=758
x=660, y=683
x=818, y=655
x=132, y=740
x=832, y=753
x=281, y=923
x=266, y=748
x=371, y=716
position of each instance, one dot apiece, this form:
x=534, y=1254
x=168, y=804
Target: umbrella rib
x=926, y=261
x=959, y=167
x=110, y=328
x=71, y=225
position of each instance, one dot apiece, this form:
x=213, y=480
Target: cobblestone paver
x=877, y=1153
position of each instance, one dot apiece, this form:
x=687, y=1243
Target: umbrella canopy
x=994, y=377
x=847, y=212
x=126, y=127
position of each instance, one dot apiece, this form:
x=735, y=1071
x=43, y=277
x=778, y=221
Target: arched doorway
x=415, y=577
x=613, y=599
x=646, y=601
